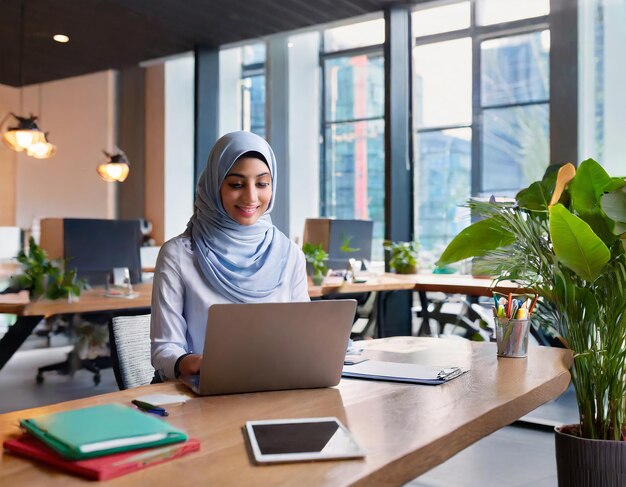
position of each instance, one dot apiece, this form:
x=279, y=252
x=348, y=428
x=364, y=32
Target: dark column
x=563, y=81
x=396, y=307
x=132, y=140
x=206, y=106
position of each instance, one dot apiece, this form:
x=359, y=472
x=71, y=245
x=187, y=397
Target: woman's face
x=247, y=190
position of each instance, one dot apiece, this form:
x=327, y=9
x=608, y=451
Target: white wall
x=230, y=91
x=608, y=145
x=614, y=88
x=304, y=131
x=79, y=114
x=179, y=144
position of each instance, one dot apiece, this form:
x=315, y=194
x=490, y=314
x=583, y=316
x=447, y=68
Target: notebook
x=273, y=346
x=401, y=372
x=100, y=430
x=101, y=468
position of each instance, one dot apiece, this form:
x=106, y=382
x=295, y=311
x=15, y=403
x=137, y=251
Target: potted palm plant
x=316, y=258
x=565, y=237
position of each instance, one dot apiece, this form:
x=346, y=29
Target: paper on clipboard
x=401, y=372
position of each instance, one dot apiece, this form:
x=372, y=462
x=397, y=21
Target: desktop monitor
x=334, y=234
x=94, y=247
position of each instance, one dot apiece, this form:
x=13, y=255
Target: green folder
x=100, y=430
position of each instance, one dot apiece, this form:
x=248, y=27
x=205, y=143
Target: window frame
x=478, y=34
x=377, y=51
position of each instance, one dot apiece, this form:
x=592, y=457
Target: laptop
x=273, y=346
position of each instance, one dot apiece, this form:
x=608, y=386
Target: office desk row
x=404, y=429
x=30, y=313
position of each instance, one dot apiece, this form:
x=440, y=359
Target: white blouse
x=181, y=297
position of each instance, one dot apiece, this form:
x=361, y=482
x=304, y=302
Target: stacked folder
x=100, y=442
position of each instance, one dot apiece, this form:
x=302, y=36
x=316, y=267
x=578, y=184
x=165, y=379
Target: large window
x=353, y=168
x=480, y=105
x=253, y=89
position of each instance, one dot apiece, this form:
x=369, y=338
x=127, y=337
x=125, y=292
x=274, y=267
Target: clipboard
x=401, y=372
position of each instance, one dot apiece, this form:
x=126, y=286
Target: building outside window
x=480, y=107
x=353, y=129
x=253, y=88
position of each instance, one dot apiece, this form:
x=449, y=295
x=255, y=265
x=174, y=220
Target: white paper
x=159, y=399
x=376, y=368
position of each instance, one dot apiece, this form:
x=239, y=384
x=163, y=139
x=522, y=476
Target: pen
x=158, y=412
x=508, y=308
x=150, y=408
x=532, y=306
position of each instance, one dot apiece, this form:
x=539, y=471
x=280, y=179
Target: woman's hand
x=190, y=365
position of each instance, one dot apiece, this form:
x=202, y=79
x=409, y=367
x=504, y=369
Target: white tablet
x=293, y=440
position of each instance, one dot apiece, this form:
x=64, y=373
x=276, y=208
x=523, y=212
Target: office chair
x=74, y=362
x=129, y=337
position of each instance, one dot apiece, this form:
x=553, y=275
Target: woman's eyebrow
x=237, y=175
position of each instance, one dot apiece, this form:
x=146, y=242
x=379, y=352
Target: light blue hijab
x=242, y=263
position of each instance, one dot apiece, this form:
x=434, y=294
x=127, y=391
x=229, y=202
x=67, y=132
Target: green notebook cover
x=100, y=430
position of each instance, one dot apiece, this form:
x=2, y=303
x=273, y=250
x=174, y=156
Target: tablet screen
x=301, y=439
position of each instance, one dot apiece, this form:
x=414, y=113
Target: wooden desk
x=384, y=282
x=459, y=284
x=31, y=313
x=404, y=429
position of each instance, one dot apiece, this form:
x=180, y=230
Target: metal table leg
x=15, y=336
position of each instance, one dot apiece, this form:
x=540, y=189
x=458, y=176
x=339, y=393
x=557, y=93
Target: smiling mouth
x=248, y=211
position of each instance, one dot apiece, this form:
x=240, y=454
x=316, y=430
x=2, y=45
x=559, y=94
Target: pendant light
x=116, y=167
x=27, y=135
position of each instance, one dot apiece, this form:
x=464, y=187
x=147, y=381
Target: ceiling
x=113, y=34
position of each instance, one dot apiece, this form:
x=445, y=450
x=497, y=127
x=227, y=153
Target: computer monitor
x=94, y=247
x=343, y=239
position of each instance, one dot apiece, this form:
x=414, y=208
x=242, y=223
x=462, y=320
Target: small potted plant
x=41, y=277
x=316, y=258
x=402, y=256
x=565, y=238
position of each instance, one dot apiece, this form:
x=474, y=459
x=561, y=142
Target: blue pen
x=144, y=406
x=159, y=412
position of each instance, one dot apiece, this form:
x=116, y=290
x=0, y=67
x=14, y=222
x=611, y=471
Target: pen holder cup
x=512, y=337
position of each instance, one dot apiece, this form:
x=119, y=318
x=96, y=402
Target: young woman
x=230, y=253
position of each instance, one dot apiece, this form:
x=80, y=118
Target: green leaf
x=477, y=239
x=590, y=182
x=576, y=245
x=586, y=189
x=536, y=197
x=614, y=205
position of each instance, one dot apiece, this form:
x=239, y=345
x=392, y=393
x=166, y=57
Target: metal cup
x=512, y=337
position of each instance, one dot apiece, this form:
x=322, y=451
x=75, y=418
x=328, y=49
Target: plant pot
x=591, y=463
x=409, y=269
x=318, y=279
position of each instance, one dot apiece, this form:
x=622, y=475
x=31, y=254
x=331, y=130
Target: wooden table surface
x=405, y=429
x=95, y=300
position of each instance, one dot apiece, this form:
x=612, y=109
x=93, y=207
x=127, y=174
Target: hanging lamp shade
x=116, y=168
x=24, y=135
x=42, y=149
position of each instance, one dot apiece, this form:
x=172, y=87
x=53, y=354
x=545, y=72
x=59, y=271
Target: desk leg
x=425, y=328
x=15, y=336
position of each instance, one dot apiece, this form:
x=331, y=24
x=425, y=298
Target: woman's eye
x=263, y=185
x=236, y=185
